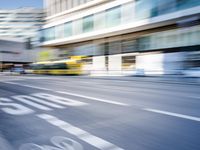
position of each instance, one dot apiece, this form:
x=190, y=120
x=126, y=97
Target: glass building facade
x=123, y=14
x=119, y=35
x=54, y=7
x=21, y=23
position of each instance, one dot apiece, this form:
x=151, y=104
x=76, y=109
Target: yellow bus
x=72, y=66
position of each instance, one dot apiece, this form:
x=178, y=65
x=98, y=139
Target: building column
x=52, y=7
x=58, y=6
x=69, y=4
x=99, y=66
x=115, y=64
x=63, y=5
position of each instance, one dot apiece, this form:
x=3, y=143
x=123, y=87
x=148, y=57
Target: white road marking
x=93, y=98
x=47, y=103
x=58, y=142
x=173, y=114
x=27, y=100
x=30, y=86
x=36, y=100
x=79, y=133
x=14, y=109
x=73, y=94
x=60, y=100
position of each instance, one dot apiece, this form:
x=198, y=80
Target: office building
x=19, y=32
x=123, y=37
x=22, y=23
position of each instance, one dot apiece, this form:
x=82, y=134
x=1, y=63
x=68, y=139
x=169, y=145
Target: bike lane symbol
x=58, y=142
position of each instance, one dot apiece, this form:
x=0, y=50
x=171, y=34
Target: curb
x=154, y=80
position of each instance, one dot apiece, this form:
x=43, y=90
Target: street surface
x=84, y=113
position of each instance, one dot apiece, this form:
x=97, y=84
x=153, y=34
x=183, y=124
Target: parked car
x=19, y=70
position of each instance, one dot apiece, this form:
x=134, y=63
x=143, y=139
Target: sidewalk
x=172, y=79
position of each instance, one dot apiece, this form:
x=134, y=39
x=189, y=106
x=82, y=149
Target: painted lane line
x=173, y=114
x=93, y=98
x=30, y=86
x=79, y=133
x=73, y=94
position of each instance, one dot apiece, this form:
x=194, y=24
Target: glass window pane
x=68, y=29
x=144, y=9
x=59, y=31
x=42, y=35
x=127, y=13
x=114, y=47
x=164, y=7
x=99, y=49
x=113, y=16
x=49, y=34
x=100, y=20
x=77, y=27
x=88, y=23
x=128, y=63
x=129, y=46
x=183, y=4
x=84, y=50
x=144, y=43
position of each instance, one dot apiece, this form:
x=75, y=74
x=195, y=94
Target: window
x=77, y=27
x=41, y=36
x=144, y=9
x=100, y=20
x=99, y=49
x=144, y=43
x=129, y=46
x=59, y=31
x=49, y=34
x=164, y=7
x=88, y=23
x=113, y=16
x=127, y=15
x=128, y=63
x=114, y=47
x=183, y=4
x=85, y=49
x=58, y=66
x=68, y=29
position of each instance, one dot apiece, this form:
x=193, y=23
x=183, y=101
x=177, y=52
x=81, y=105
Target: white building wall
x=115, y=64
x=158, y=64
x=98, y=66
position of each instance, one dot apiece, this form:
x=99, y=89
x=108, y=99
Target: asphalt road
x=74, y=113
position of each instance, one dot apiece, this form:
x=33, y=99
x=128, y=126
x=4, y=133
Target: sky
x=12, y=4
